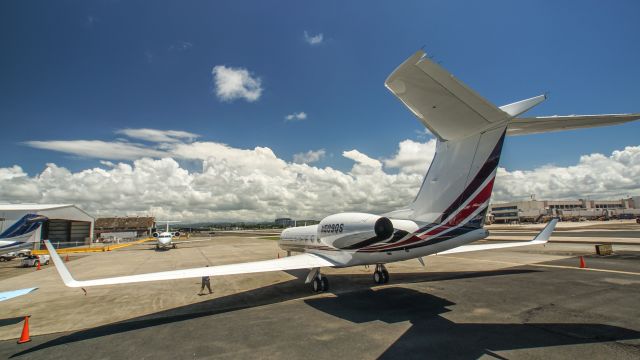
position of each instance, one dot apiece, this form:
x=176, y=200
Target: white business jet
x=449, y=210
x=165, y=238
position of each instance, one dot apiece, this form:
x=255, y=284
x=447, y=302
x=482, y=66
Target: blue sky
x=75, y=70
x=81, y=70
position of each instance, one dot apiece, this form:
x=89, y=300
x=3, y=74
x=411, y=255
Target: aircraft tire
x=316, y=285
x=325, y=283
x=378, y=277
x=385, y=276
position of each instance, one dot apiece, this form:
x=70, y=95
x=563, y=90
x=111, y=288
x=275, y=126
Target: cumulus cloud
x=309, y=157
x=260, y=187
x=236, y=83
x=413, y=157
x=255, y=184
x=296, y=116
x=313, y=39
x=155, y=135
x=595, y=176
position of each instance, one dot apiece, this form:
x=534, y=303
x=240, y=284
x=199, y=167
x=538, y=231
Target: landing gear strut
x=381, y=275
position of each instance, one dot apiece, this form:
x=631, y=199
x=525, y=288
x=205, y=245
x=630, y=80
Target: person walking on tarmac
x=206, y=281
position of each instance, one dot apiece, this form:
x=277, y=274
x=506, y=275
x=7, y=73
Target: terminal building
x=569, y=210
x=68, y=225
x=288, y=222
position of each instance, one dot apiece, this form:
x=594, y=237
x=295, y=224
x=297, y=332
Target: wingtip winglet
x=545, y=234
x=64, y=273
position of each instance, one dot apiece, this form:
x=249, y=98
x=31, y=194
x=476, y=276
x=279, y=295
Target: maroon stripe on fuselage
x=473, y=205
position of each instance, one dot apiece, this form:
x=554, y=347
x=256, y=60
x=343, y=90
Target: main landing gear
x=381, y=275
x=319, y=282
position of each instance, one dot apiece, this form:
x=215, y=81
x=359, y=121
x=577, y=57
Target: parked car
x=8, y=256
x=33, y=260
x=23, y=252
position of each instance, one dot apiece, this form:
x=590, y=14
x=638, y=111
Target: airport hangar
x=68, y=225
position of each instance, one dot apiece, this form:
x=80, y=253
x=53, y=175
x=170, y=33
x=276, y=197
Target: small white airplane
x=165, y=238
x=21, y=234
x=449, y=210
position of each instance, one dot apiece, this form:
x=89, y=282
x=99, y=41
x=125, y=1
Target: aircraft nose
x=164, y=241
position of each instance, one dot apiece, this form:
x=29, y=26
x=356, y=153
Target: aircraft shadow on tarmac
x=11, y=321
x=357, y=302
x=439, y=337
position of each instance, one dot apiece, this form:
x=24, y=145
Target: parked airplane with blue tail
x=22, y=234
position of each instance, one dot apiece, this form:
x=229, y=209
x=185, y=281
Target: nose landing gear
x=380, y=275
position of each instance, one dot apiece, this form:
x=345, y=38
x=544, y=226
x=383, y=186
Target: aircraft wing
x=446, y=106
x=6, y=295
x=541, y=238
x=534, y=125
x=303, y=261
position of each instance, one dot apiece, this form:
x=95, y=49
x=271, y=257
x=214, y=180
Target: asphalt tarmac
x=523, y=303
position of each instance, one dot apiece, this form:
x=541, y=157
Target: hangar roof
x=52, y=211
x=22, y=207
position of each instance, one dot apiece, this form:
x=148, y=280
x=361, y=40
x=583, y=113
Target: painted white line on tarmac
x=547, y=265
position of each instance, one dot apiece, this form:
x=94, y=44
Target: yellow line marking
x=547, y=265
x=90, y=249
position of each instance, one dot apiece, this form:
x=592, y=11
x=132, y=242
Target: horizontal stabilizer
x=541, y=238
x=446, y=106
x=522, y=106
x=535, y=125
x=303, y=261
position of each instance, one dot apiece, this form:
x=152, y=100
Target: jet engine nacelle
x=176, y=234
x=354, y=230
x=155, y=234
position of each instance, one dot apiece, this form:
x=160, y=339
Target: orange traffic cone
x=25, y=331
x=66, y=259
x=582, y=264
x=38, y=266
